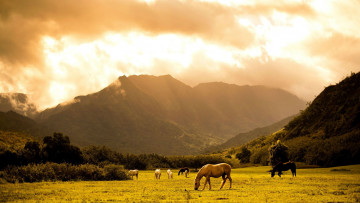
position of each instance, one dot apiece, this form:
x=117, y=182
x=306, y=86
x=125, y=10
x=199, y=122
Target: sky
x=56, y=50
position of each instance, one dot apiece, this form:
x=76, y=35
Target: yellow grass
x=251, y=184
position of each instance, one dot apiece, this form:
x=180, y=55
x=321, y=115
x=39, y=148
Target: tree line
x=56, y=159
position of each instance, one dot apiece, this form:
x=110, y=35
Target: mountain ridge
x=160, y=114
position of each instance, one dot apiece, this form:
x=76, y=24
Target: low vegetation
x=62, y=172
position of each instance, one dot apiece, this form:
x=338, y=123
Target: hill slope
x=243, y=138
x=326, y=133
x=13, y=122
x=162, y=115
x=16, y=130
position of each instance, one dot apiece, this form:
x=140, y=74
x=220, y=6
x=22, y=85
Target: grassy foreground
x=253, y=184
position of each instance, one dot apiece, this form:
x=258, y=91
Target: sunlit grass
x=251, y=184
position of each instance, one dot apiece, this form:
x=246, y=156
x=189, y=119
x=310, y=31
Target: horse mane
x=199, y=175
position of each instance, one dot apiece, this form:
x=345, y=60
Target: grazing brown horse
x=280, y=167
x=210, y=170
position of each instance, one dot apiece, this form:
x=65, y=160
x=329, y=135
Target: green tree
x=244, y=155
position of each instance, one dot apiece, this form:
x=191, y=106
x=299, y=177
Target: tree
x=100, y=155
x=278, y=153
x=244, y=155
x=58, y=149
x=31, y=152
x=8, y=158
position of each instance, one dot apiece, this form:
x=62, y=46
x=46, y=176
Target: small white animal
x=157, y=174
x=170, y=174
x=133, y=173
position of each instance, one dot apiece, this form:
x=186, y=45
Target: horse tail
x=179, y=172
x=187, y=169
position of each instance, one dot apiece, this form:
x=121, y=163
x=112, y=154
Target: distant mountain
x=13, y=122
x=163, y=115
x=17, y=102
x=228, y=109
x=326, y=133
x=217, y=108
x=243, y=138
x=16, y=130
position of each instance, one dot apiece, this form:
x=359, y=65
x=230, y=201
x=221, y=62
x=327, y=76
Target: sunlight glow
x=71, y=61
x=134, y=49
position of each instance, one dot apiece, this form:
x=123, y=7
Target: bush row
x=63, y=172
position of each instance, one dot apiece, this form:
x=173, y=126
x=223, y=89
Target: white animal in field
x=133, y=173
x=170, y=174
x=157, y=174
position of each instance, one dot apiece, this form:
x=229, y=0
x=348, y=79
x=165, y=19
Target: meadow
x=251, y=184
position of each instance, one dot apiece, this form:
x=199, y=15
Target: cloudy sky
x=56, y=50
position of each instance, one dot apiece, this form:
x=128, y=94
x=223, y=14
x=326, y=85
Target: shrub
x=115, y=172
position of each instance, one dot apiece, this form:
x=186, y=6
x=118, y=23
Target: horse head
x=197, y=184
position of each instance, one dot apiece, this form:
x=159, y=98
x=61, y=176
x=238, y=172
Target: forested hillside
x=326, y=133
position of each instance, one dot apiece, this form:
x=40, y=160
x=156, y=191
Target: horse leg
x=205, y=183
x=223, y=182
x=209, y=184
x=136, y=176
x=230, y=179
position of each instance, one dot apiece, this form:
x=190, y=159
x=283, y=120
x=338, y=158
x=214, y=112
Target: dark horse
x=182, y=170
x=280, y=167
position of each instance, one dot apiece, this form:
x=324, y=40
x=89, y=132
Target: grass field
x=253, y=184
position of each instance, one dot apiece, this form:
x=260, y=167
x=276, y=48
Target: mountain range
x=159, y=114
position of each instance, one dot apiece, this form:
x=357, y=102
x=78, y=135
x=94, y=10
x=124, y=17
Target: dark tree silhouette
x=31, y=152
x=8, y=158
x=58, y=149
